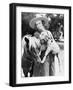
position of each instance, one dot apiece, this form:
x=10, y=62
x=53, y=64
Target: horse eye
x=42, y=41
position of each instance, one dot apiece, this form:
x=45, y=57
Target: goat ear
x=27, y=40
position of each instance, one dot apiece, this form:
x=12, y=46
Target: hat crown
x=40, y=15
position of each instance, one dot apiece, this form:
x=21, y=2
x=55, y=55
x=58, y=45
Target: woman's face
x=39, y=25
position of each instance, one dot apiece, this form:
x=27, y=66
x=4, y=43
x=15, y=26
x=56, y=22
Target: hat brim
x=33, y=21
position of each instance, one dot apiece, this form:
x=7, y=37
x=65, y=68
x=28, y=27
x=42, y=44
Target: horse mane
x=33, y=43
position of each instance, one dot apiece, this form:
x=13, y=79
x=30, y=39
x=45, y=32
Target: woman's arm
x=46, y=53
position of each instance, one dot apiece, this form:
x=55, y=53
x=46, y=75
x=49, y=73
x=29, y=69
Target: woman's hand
x=42, y=62
x=44, y=59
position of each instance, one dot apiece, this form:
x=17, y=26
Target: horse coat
x=29, y=54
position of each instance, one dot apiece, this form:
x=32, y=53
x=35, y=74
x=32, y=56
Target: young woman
x=47, y=41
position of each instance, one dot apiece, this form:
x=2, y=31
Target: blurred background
x=55, y=24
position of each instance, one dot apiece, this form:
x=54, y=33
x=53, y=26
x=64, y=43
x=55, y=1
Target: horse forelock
x=33, y=42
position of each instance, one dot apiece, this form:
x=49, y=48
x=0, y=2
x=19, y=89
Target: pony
x=30, y=54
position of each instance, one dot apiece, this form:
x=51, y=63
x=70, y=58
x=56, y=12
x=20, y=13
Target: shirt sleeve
x=50, y=36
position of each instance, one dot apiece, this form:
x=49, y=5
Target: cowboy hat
x=38, y=17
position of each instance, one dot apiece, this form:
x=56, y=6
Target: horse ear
x=27, y=40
